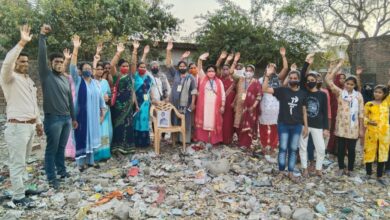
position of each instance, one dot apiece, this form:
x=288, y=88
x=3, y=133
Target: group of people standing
x=107, y=105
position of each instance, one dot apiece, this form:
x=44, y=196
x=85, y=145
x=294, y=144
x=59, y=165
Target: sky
x=187, y=10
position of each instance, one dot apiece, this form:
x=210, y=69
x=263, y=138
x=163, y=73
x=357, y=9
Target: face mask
x=182, y=71
x=194, y=72
x=248, y=74
x=240, y=72
x=141, y=71
x=319, y=85
x=154, y=70
x=87, y=73
x=293, y=83
x=211, y=74
x=311, y=85
x=124, y=70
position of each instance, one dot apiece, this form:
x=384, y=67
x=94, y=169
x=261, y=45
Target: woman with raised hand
x=142, y=87
x=349, y=122
x=89, y=106
x=210, y=105
x=123, y=104
x=183, y=95
x=103, y=152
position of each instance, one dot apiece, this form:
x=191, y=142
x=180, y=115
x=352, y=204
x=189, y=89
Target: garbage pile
x=220, y=183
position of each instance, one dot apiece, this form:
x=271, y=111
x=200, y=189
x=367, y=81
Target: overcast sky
x=186, y=10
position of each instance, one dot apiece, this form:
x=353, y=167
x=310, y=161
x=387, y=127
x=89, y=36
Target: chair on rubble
x=158, y=130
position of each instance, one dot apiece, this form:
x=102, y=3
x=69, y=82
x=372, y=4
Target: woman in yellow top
x=377, y=137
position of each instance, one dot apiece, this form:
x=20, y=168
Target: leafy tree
x=231, y=29
x=107, y=21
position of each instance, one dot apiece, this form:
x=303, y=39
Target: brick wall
x=374, y=55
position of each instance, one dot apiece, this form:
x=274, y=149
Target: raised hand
x=230, y=57
x=293, y=67
x=237, y=56
x=99, y=48
x=310, y=58
x=282, y=51
x=45, y=29
x=120, y=48
x=146, y=49
x=170, y=45
x=270, y=69
x=135, y=44
x=223, y=55
x=204, y=56
x=96, y=58
x=185, y=55
x=67, y=54
x=25, y=35
x=359, y=70
x=76, y=41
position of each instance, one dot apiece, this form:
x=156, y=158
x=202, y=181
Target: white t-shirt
x=269, y=108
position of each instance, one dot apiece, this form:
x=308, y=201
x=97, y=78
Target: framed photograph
x=163, y=119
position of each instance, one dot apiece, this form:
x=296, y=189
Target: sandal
x=305, y=173
x=293, y=178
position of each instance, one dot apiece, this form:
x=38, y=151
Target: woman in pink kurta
x=209, y=108
x=70, y=149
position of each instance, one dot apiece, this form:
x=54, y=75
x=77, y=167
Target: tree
x=344, y=19
x=107, y=21
x=231, y=29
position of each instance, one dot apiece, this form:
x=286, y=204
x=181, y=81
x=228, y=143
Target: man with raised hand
x=23, y=117
x=58, y=108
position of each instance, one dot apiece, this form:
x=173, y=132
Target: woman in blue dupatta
x=89, y=107
x=123, y=105
x=142, y=84
x=103, y=152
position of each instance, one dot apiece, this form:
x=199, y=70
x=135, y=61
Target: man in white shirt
x=23, y=117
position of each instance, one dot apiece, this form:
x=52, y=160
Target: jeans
x=19, y=139
x=288, y=140
x=343, y=143
x=57, y=129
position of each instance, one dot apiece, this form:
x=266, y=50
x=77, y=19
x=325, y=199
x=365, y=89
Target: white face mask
x=248, y=74
x=240, y=72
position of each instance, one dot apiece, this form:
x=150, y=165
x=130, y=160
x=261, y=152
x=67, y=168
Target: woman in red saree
x=339, y=82
x=210, y=107
x=225, y=74
x=247, y=108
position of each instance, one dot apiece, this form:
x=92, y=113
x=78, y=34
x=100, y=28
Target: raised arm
x=330, y=76
x=220, y=59
x=42, y=52
x=283, y=72
x=134, y=57
x=235, y=61
x=73, y=63
x=168, y=57
x=359, y=71
x=119, y=50
x=308, y=61
x=12, y=55
x=96, y=59
x=266, y=88
x=67, y=56
x=185, y=55
x=145, y=54
x=202, y=58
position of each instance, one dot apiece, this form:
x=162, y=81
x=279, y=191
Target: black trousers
x=342, y=144
x=379, y=169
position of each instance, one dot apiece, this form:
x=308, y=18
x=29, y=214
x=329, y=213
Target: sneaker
x=25, y=202
x=54, y=184
x=64, y=176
